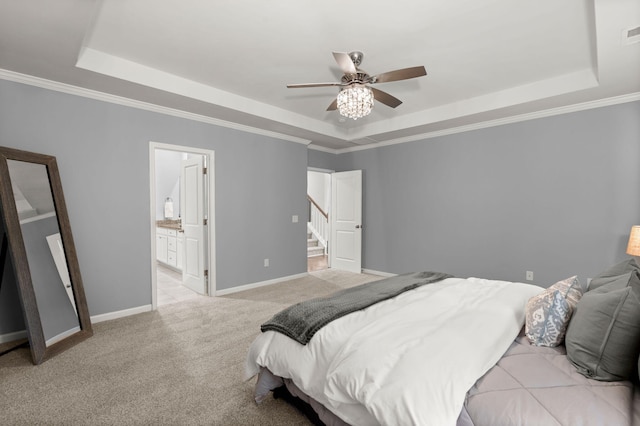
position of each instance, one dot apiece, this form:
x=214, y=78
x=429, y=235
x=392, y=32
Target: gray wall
x=556, y=196
x=102, y=151
x=321, y=159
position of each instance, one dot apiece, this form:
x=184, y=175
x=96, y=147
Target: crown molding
x=120, y=100
x=631, y=97
x=323, y=149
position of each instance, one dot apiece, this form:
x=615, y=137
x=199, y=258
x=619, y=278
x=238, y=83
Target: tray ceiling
x=487, y=61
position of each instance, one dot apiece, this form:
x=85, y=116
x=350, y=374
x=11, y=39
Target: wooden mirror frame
x=39, y=350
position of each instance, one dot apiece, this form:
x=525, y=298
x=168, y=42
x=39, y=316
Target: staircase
x=317, y=230
x=313, y=246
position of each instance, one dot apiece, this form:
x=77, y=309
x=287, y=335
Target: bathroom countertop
x=171, y=224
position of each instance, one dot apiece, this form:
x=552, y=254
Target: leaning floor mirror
x=37, y=236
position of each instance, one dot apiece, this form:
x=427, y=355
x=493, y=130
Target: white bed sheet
x=407, y=360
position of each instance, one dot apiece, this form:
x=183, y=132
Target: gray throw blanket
x=302, y=320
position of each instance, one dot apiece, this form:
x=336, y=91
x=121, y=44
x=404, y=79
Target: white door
x=345, y=245
x=192, y=208
x=57, y=251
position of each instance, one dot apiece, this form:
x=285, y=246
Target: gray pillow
x=609, y=275
x=603, y=338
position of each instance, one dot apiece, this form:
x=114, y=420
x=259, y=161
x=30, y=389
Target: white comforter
x=406, y=361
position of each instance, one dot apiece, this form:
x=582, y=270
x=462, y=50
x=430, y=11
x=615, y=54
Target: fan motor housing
x=359, y=77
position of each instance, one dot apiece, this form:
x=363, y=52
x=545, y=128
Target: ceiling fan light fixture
x=355, y=101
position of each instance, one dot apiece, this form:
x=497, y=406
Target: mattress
x=533, y=385
x=368, y=367
x=406, y=360
x=529, y=386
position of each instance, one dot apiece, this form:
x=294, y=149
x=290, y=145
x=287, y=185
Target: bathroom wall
x=168, y=181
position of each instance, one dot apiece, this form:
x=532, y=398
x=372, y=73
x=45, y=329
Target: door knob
x=359, y=226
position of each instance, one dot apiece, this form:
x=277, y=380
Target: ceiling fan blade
x=402, y=74
x=344, y=61
x=304, y=85
x=333, y=106
x=385, y=98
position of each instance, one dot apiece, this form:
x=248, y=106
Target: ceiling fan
x=355, y=98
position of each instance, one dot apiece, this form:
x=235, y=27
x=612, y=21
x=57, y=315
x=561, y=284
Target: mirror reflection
x=45, y=251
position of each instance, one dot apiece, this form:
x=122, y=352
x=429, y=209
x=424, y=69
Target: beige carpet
x=180, y=365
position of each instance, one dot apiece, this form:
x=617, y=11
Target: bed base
x=314, y=411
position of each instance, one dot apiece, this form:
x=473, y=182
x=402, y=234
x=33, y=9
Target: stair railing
x=318, y=223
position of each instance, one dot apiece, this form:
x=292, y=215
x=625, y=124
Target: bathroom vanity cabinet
x=169, y=242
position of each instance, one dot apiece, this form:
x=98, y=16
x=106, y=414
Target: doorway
x=334, y=220
x=318, y=231
x=181, y=222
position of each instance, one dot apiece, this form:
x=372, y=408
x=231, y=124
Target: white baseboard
x=379, y=273
x=10, y=337
x=147, y=308
x=16, y=335
x=120, y=314
x=258, y=284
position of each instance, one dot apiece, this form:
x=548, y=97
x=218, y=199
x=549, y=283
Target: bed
x=440, y=350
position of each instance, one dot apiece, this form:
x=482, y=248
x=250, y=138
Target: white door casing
x=193, y=224
x=345, y=245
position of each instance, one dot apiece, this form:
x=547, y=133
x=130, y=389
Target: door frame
x=210, y=195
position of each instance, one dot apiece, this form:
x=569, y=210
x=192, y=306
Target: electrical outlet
x=266, y=263
x=294, y=218
x=529, y=275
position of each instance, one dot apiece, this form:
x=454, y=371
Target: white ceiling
x=488, y=61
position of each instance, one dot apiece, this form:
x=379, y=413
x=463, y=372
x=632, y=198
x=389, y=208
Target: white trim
x=288, y=278
x=15, y=335
x=231, y=290
x=120, y=314
x=211, y=218
x=124, y=69
x=101, y=96
x=38, y=217
x=632, y=97
x=148, y=308
x=323, y=148
x=319, y=170
x=120, y=100
x=379, y=273
x=153, y=225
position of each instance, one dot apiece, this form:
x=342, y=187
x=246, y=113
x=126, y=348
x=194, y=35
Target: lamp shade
x=634, y=242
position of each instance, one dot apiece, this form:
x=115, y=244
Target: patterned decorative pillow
x=548, y=313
